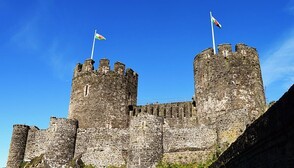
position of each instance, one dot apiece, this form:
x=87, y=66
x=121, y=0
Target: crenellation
x=103, y=66
x=245, y=50
x=119, y=68
x=224, y=50
x=207, y=53
x=88, y=65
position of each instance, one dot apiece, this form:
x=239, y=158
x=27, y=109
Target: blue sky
x=42, y=40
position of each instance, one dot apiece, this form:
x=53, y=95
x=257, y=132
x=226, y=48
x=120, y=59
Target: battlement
x=167, y=110
x=104, y=68
x=20, y=126
x=225, y=51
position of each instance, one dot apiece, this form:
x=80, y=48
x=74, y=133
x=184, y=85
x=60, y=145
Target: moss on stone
x=33, y=163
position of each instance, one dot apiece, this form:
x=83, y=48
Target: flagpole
x=93, y=45
x=212, y=32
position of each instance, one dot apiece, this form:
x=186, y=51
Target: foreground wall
x=102, y=147
x=188, y=145
x=268, y=142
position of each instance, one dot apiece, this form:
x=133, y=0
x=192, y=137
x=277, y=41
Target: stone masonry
x=106, y=127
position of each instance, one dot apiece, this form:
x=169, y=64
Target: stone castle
x=106, y=127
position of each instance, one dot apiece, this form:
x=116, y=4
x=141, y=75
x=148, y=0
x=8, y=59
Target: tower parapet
x=102, y=97
x=17, y=145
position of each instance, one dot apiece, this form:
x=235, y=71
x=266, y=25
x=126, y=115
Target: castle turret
x=17, y=145
x=228, y=87
x=101, y=98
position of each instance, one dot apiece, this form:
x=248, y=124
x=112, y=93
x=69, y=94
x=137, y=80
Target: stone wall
x=228, y=81
x=102, y=147
x=102, y=98
x=61, y=145
x=17, y=145
x=229, y=90
x=37, y=143
x=177, y=114
x=113, y=131
x=268, y=142
x=187, y=145
x=146, y=141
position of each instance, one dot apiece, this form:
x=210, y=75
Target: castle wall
x=106, y=128
x=102, y=147
x=101, y=98
x=229, y=90
x=37, y=143
x=177, y=114
x=268, y=142
x=146, y=141
x=17, y=145
x=187, y=145
x=62, y=141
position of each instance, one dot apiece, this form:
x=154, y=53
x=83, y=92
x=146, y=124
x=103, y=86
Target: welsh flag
x=99, y=37
x=216, y=22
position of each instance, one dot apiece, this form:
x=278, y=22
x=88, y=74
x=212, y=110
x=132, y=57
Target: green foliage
x=34, y=162
x=88, y=166
x=176, y=165
x=24, y=164
x=206, y=164
x=77, y=162
x=189, y=165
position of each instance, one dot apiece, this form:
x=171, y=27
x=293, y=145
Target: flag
x=213, y=20
x=99, y=37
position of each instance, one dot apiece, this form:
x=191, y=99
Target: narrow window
x=86, y=90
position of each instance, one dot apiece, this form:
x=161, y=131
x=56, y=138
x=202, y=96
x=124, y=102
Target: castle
x=106, y=127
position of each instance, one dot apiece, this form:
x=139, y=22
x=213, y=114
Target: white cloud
x=278, y=64
x=57, y=55
x=290, y=7
x=27, y=36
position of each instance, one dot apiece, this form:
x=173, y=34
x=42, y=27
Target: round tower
x=62, y=138
x=146, y=142
x=17, y=145
x=228, y=81
x=102, y=98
